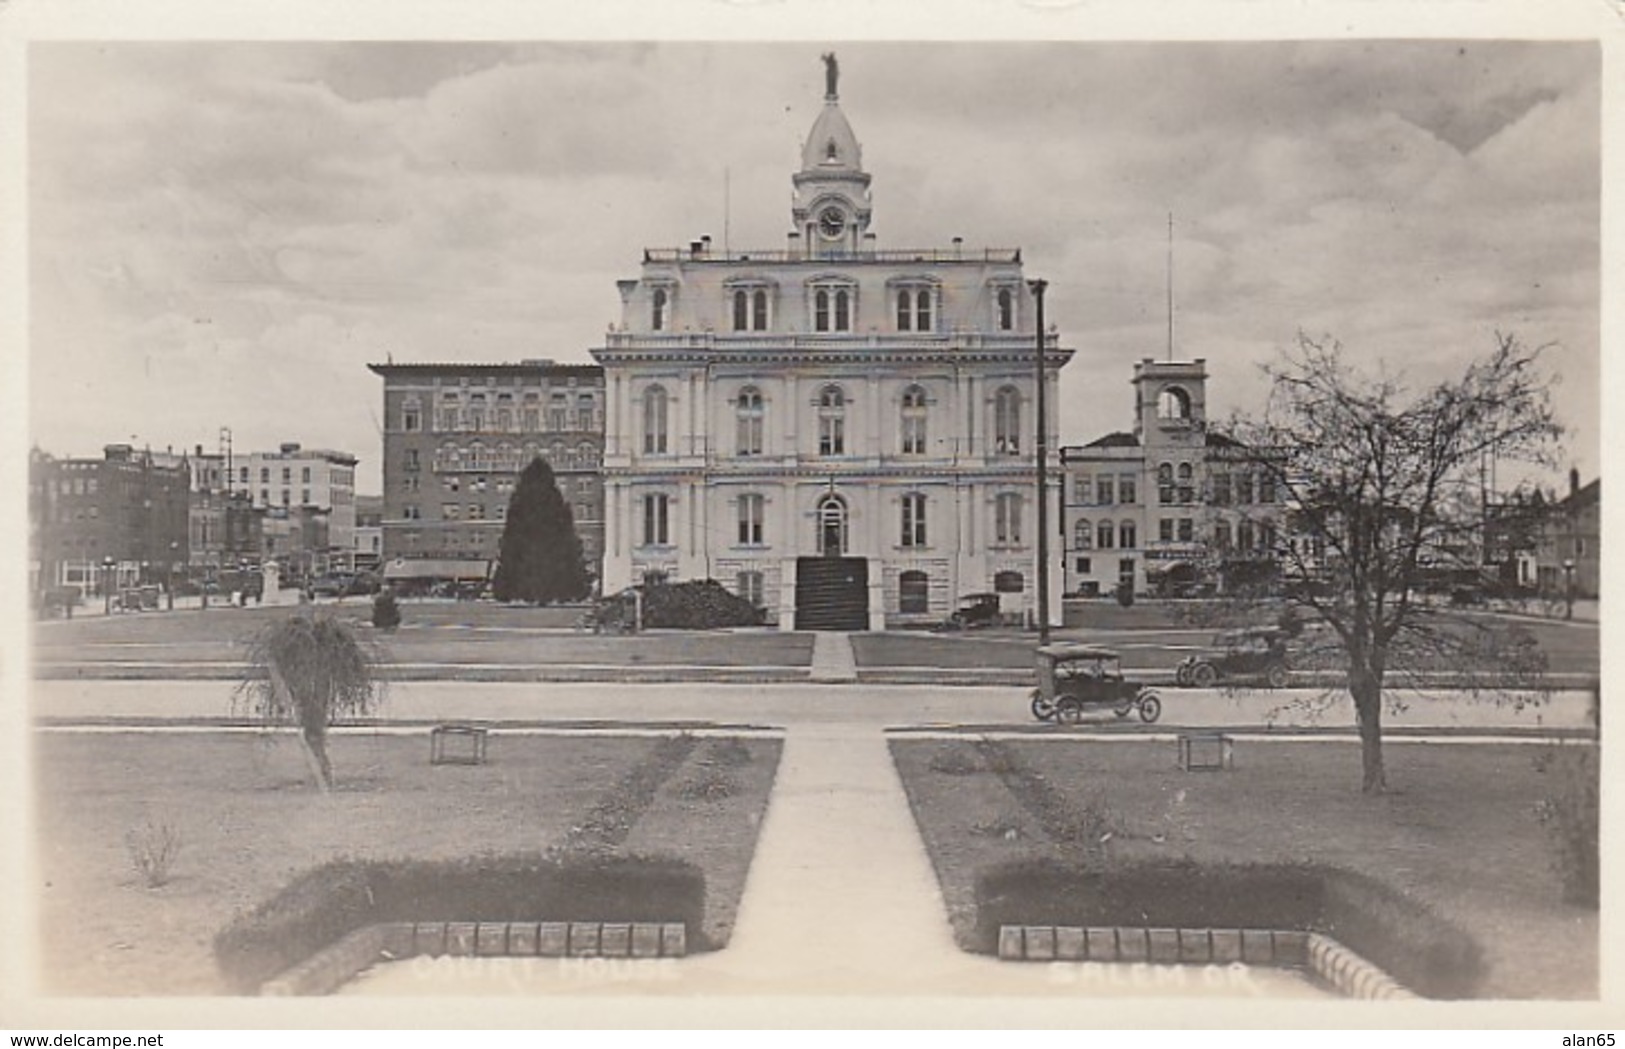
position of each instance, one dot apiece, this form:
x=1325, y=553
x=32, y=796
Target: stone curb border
x=1329, y=960
x=338, y=963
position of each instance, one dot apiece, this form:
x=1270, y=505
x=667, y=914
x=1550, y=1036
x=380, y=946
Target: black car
x=975, y=610
x=1256, y=654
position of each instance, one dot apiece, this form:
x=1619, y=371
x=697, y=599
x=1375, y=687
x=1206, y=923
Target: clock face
x=831, y=222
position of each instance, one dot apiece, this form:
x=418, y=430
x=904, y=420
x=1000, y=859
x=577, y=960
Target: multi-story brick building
x=1170, y=507
x=842, y=433
x=457, y=436
x=117, y=521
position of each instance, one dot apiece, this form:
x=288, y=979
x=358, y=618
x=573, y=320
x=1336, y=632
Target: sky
x=225, y=235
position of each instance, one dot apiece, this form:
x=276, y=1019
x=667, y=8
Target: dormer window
x=834, y=306
x=832, y=152
x=916, y=302
x=749, y=302
x=657, y=314
x=1006, y=301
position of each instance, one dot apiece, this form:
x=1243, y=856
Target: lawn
x=1458, y=832
x=468, y=633
x=249, y=822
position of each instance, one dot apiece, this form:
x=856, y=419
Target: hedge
x=323, y=905
x=1420, y=949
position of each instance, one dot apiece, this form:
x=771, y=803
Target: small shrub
x=386, y=611
x=701, y=604
x=153, y=849
x=1570, y=814
x=1125, y=595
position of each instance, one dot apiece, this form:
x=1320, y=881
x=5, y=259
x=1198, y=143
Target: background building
x=367, y=543
x=457, y=436
x=1171, y=507
x=293, y=486
x=842, y=434
x=118, y=521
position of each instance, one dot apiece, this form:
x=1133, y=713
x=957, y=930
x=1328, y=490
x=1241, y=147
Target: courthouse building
x=842, y=433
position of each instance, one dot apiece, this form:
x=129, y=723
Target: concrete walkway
x=832, y=660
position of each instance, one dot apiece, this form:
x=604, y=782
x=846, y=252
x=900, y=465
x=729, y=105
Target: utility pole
x=1040, y=446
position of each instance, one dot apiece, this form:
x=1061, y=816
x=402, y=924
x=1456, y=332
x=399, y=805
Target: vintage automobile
x=975, y=610
x=1255, y=654
x=1073, y=679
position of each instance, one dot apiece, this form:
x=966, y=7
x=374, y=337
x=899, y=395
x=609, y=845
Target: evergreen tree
x=539, y=559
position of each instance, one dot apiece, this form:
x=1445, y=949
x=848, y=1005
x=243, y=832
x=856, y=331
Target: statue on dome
x=832, y=73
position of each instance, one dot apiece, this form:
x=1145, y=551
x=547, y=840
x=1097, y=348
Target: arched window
x=913, y=520
x=1187, y=490
x=1126, y=536
x=1104, y=535
x=821, y=310
x=758, y=319
x=1174, y=403
x=905, y=315
x=922, y=310
x=654, y=421
x=843, y=310
x=741, y=310
x=832, y=534
x=476, y=457
x=1007, y=421
x=913, y=593
x=1007, y=518
x=1083, y=535
x=587, y=453
x=1007, y=310
x=749, y=415
x=831, y=421
x=506, y=458
x=1221, y=535
x=1165, y=483
x=914, y=421
x=657, y=317
x=1244, y=536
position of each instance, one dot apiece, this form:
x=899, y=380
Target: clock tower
x=831, y=203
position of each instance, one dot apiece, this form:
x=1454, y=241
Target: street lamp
x=1568, y=588
x=1038, y=287
x=169, y=583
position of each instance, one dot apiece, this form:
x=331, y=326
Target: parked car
x=330, y=586
x=1253, y=654
x=1074, y=679
x=975, y=610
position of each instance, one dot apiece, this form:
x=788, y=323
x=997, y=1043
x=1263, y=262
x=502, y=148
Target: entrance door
x=832, y=593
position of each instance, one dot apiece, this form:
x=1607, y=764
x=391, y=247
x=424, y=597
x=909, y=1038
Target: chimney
x=290, y=447
x=959, y=246
x=694, y=249
x=1574, y=481
x=795, y=244
x=705, y=244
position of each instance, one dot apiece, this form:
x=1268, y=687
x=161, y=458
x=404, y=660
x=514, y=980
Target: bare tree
x=1376, y=483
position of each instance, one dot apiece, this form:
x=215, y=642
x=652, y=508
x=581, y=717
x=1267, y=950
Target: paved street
x=876, y=706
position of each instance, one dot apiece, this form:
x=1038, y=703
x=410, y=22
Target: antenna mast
x=1170, y=286
x=727, y=208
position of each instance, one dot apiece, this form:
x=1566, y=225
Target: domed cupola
x=831, y=208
